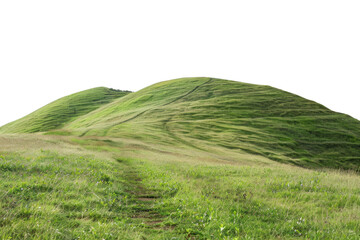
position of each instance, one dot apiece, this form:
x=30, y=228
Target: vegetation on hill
x=204, y=112
x=58, y=113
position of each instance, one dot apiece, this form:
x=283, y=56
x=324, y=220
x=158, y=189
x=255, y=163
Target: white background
x=49, y=49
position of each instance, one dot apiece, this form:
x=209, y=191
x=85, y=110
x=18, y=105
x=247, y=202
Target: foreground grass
x=243, y=202
x=54, y=196
x=50, y=196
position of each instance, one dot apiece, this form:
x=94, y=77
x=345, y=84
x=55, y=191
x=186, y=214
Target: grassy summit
x=61, y=111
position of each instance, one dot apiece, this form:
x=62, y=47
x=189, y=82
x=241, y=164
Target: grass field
x=85, y=190
x=194, y=158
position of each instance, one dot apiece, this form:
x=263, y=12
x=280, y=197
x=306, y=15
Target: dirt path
x=142, y=200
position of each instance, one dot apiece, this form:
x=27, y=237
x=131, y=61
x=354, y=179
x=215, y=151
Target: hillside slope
x=208, y=114
x=203, y=113
x=61, y=111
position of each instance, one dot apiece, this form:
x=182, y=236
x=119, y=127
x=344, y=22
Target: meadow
x=89, y=191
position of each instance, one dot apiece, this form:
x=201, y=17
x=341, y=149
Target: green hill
x=205, y=113
x=193, y=158
x=61, y=111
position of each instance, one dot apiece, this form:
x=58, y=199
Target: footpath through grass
x=50, y=196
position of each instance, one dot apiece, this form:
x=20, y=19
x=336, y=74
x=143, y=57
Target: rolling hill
x=204, y=113
x=61, y=111
x=192, y=158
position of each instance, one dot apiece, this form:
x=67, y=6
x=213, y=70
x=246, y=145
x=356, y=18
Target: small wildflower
x=222, y=227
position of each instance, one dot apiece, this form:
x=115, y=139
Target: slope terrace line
x=127, y=120
x=141, y=113
x=188, y=93
x=171, y=134
x=166, y=127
